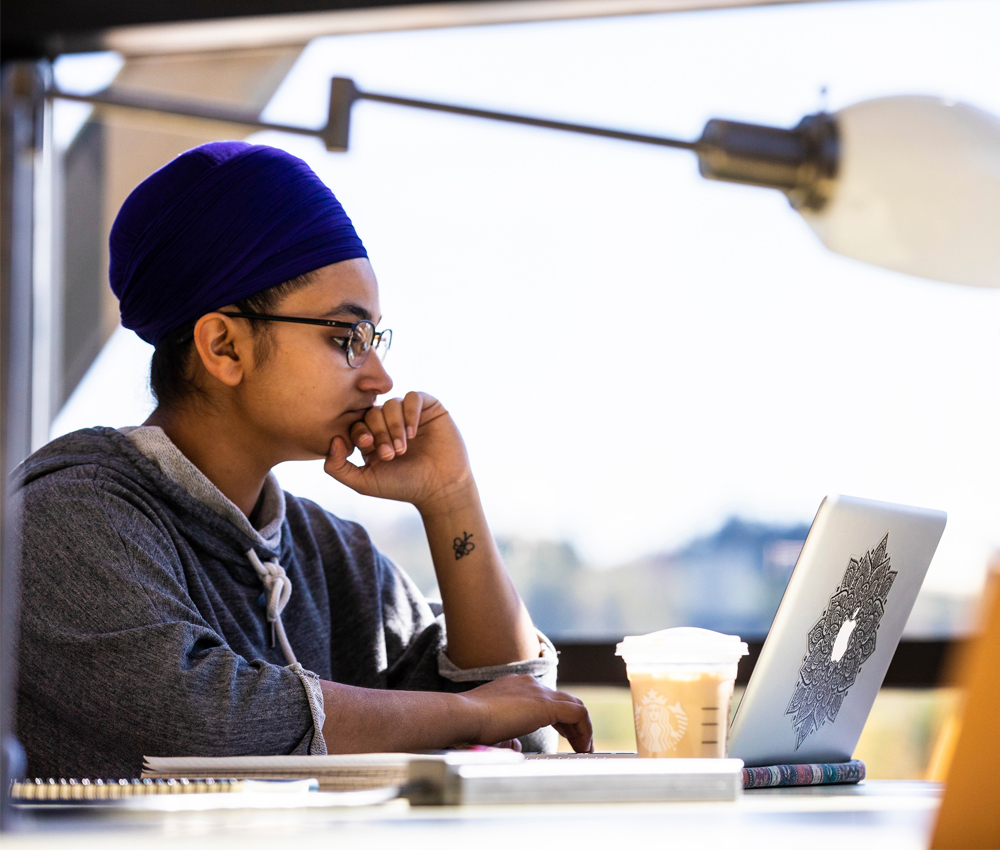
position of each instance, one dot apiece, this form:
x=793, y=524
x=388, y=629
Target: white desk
x=882, y=815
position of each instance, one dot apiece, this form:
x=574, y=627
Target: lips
x=357, y=414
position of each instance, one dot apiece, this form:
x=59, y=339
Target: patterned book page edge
x=784, y=775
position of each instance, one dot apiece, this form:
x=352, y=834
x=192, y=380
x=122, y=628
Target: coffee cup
x=682, y=688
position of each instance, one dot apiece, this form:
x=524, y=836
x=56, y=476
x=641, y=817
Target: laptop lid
x=835, y=632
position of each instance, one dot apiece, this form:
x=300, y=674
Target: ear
x=224, y=347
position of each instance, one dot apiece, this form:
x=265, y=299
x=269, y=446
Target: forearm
x=365, y=720
x=487, y=622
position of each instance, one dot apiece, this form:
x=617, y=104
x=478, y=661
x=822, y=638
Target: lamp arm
x=344, y=93
x=110, y=98
x=801, y=162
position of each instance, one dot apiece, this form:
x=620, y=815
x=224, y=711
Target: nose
x=373, y=377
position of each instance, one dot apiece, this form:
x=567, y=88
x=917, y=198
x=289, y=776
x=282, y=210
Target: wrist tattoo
x=463, y=545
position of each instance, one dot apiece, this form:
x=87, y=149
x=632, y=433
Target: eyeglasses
x=361, y=336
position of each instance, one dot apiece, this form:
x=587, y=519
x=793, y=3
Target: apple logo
x=844, y=637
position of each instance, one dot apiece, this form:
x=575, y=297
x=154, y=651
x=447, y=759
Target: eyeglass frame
x=328, y=323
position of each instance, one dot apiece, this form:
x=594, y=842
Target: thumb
x=339, y=468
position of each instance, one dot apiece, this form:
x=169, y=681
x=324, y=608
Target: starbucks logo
x=659, y=726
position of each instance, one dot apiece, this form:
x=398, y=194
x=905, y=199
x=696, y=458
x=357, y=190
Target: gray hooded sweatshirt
x=157, y=621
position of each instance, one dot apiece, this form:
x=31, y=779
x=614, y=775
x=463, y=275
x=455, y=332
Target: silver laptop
x=835, y=632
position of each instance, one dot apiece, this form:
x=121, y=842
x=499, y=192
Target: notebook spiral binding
x=72, y=790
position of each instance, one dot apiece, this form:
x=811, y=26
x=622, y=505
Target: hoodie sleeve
x=115, y=660
x=417, y=646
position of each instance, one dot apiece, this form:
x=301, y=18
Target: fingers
x=518, y=705
x=337, y=465
x=362, y=437
x=386, y=430
x=413, y=404
x=383, y=431
x=392, y=412
x=580, y=736
x=573, y=723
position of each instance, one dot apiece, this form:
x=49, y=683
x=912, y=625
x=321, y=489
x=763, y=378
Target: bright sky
x=634, y=353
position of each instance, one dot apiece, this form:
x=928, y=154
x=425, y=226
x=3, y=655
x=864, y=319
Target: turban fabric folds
x=221, y=222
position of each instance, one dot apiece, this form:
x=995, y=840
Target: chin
x=308, y=447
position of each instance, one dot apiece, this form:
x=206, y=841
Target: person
x=175, y=601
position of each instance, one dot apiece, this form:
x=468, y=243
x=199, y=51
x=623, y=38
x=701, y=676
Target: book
x=359, y=772
x=784, y=775
x=569, y=778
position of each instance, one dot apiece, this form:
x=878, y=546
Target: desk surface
x=875, y=814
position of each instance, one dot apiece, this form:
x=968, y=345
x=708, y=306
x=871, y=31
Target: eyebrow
x=351, y=308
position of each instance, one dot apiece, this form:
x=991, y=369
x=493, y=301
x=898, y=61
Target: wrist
x=471, y=721
x=449, y=500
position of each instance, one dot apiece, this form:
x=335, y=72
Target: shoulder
x=84, y=484
x=344, y=547
x=304, y=515
x=332, y=538
x=92, y=454
x=98, y=464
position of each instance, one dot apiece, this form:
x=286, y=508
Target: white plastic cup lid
x=682, y=646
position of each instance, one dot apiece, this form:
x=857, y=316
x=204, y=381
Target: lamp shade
x=917, y=189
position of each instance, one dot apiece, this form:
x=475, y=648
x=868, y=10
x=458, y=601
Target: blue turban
x=221, y=222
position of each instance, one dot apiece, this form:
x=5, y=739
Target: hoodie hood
x=153, y=442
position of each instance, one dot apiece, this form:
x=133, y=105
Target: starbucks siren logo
x=659, y=726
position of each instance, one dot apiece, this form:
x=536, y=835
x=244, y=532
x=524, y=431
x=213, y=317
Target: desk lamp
x=907, y=183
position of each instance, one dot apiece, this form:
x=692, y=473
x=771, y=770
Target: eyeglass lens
x=361, y=342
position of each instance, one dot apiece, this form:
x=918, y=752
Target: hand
x=412, y=451
x=518, y=705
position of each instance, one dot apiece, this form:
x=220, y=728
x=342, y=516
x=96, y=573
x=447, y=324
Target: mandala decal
x=658, y=724
x=841, y=641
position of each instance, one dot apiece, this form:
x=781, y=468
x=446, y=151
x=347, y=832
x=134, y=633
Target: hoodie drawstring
x=278, y=588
